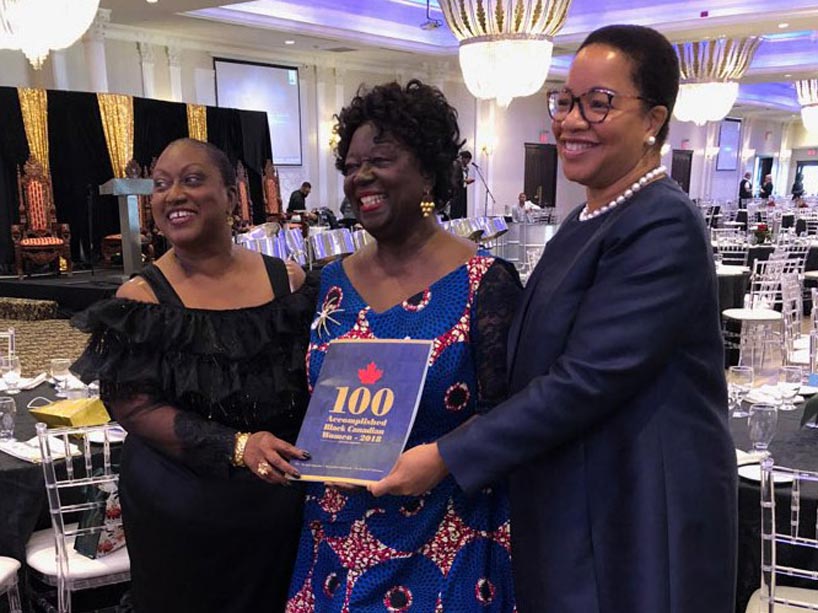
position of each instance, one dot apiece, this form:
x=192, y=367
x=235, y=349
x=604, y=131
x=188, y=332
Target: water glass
x=740, y=379
x=60, y=373
x=761, y=422
x=8, y=410
x=11, y=371
x=789, y=382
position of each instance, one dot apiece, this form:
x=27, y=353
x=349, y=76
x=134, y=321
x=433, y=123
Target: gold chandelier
x=37, y=27
x=808, y=99
x=505, y=46
x=710, y=71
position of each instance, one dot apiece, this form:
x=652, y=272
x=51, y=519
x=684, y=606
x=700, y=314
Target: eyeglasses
x=594, y=105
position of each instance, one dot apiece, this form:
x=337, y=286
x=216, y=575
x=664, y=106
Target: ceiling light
x=37, y=27
x=505, y=47
x=152, y=1
x=783, y=25
x=710, y=71
x=289, y=42
x=430, y=23
x=808, y=99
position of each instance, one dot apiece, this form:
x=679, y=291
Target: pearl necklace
x=585, y=215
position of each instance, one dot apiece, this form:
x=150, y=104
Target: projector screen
x=272, y=89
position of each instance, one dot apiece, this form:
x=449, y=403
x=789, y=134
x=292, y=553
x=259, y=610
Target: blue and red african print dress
x=439, y=552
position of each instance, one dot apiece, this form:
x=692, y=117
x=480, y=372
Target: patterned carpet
x=40, y=341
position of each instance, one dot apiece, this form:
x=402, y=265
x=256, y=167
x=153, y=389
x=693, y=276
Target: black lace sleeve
x=204, y=446
x=495, y=305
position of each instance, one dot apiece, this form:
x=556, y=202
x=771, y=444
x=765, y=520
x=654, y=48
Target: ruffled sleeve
x=187, y=380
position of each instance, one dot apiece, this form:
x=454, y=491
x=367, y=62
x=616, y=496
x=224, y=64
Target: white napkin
x=32, y=382
x=743, y=457
x=30, y=450
x=768, y=394
x=25, y=383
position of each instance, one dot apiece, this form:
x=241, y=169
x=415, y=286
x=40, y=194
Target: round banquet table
x=793, y=447
x=733, y=283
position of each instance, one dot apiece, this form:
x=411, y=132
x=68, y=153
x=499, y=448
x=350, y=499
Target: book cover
x=362, y=409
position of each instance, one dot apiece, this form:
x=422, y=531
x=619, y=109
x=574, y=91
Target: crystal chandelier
x=505, y=45
x=37, y=27
x=808, y=99
x=710, y=71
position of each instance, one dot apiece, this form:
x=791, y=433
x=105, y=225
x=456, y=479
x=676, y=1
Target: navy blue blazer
x=615, y=439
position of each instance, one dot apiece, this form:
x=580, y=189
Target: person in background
x=443, y=550
x=458, y=206
x=745, y=188
x=298, y=199
x=798, y=187
x=524, y=206
x=615, y=438
x=201, y=359
x=767, y=187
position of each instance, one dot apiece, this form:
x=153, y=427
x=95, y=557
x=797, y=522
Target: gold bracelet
x=238, y=448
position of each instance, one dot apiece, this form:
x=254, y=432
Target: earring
x=650, y=140
x=427, y=205
x=230, y=220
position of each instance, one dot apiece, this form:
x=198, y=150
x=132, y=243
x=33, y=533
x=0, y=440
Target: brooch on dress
x=331, y=306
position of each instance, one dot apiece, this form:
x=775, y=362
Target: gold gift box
x=73, y=412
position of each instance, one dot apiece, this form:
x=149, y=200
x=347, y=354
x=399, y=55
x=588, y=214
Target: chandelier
x=37, y=27
x=710, y=71
x=808, y=99
x=505, y=45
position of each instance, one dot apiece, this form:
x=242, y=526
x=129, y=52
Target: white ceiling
x=389, y=31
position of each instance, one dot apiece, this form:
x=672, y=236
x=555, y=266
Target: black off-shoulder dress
x=203, y=535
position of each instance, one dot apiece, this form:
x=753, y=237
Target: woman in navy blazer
x=615, y=440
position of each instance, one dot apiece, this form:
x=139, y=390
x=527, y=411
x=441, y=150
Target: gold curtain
x=197, y=121
x=34, y=104
x=117, y=123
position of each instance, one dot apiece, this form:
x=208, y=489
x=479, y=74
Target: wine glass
x=761, y=422
x=8, y=409
x=11, y=370
x=741, y=381
x=60, y=373
x=789, y=382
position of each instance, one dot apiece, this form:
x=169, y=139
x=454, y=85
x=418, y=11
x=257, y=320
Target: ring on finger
x=263, y=468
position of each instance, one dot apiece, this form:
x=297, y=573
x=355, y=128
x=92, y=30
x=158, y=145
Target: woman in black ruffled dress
x=201, y=359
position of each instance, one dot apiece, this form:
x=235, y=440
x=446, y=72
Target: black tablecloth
x=731, y=296
x=793, y=447
x=22, y=488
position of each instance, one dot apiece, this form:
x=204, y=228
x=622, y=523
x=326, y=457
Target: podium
x=126, y=191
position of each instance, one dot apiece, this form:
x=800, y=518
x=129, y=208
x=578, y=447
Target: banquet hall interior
x=82, y=124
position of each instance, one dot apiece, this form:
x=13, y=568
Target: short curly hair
x=417, y=116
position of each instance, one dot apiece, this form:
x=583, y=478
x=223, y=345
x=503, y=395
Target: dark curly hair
x=417, y=116
x=655, y=63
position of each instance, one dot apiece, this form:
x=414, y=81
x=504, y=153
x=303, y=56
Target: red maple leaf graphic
x=370, y=374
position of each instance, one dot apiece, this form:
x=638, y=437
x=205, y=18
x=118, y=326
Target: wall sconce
x=711, y=152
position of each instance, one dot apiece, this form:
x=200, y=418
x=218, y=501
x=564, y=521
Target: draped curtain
x=34, y=106
x=80, y=135
x=197, y=121
x=116, y=111
x=13, y=152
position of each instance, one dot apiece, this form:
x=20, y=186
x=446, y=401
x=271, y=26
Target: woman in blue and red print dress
x=442, y=550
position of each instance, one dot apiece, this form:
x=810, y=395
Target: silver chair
x=8, y=583
x=50, y=553
x=772, y=597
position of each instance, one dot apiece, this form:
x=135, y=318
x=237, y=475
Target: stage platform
x=72, y=293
